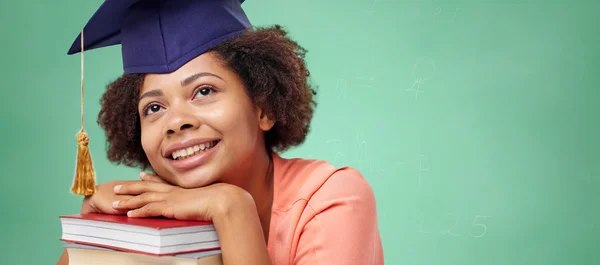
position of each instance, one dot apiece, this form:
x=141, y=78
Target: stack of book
x=93, y=239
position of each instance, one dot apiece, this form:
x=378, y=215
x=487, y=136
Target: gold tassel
x=85, y=177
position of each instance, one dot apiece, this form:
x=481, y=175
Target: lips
x=198, y=158
x=184, y=153
x=190, y=147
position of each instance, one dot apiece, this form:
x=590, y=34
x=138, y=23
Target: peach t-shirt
x=322, y=215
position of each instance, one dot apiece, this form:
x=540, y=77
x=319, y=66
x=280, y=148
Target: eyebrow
x=193, y=78
x=151, y=93
x=185, y=82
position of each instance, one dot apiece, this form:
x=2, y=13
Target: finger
x=139, y=187
x=119, y=211
x=152, y=178
x=105, y=207
x=139, y=201
x=152, y=210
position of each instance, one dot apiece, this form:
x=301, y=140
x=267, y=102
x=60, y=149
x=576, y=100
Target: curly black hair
x=270, y=64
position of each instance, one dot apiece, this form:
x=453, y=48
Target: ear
x=264, y=121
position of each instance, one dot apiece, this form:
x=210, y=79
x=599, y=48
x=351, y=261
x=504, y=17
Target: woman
x=207, y=102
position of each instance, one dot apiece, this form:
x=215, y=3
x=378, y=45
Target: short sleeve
x=344, y=227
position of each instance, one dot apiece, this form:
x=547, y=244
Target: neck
x=259, y=183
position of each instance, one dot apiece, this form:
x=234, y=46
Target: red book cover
x=155, y=222
x=137, y=251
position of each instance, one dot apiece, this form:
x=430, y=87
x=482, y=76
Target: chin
x=194, y=179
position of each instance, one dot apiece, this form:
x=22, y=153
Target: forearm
x=64, y=258
x=240, y=234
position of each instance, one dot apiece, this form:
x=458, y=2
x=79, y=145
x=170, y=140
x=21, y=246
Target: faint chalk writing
x=339, y=157
x=455, y=12
x=436, y=14
x=423, y=70
x=423, y=166
x=361, y=149
x=341, y=88
x=452, y=227
x=371, y=9
x=416, y=88
x=333, y=141
x=478, y=223
x=422, y=227
x=449, y=230
x=366, y=79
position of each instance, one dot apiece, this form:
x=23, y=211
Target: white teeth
x=184, y=153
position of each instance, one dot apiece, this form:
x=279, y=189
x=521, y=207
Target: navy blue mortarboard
x=159, y=36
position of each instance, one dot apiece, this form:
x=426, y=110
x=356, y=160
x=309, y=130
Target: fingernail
x=129, y=214
x=115, y=204
x=117, y=188
x=142, y=175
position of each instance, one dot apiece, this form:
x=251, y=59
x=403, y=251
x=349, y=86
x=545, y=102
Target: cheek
x=150, y=143
x=237, y=124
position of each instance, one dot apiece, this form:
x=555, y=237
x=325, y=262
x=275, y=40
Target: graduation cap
x=156, y=36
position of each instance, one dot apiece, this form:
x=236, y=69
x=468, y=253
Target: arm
x=230, y=208
x=344, y=227
x=64, y=259
x=240, y=231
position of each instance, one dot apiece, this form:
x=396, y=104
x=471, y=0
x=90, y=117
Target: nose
x=181, y=119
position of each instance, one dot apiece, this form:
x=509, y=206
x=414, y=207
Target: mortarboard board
x=159, y=36
x=156, y=36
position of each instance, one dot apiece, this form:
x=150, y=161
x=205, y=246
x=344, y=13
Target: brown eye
x=205, y=91
x=152, y=109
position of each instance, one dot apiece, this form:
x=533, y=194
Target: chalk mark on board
x=436, y=13
x=423, y=166
x=341, y=87
x=416, y=87
x=369, y=79
x=422, y=228
x=371, y=9
x=423, y=62
x=424, y=69
x=333, y=141
x=338, y=155
x=477, y=223
x=449, y=231
x=360, y=144
x=455, y=11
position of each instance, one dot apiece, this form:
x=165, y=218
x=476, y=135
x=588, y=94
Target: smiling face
x=198, y=125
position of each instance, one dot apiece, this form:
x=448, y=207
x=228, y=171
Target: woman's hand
x=101, y=201
x=156, y=198
x=230, y=208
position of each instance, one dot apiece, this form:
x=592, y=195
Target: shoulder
x=319, y=184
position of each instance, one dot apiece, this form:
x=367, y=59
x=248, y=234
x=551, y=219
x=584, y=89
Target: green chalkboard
x=476, y=122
